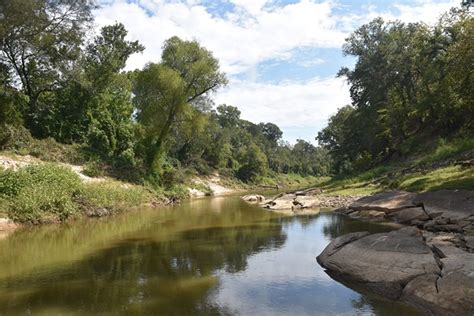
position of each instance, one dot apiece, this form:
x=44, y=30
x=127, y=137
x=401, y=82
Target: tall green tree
x=40, y=42
x=164, y=92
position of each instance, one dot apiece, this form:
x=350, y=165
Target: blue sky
x=281, y=56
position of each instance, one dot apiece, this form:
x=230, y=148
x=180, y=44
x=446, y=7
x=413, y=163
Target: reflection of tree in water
x=337, y=225
x=139, y=276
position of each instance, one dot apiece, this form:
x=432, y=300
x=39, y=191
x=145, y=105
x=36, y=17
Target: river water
x=211, y=256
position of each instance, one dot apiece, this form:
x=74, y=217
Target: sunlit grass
x=452, y=177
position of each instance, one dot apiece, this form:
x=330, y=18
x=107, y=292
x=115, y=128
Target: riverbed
x=209, y=256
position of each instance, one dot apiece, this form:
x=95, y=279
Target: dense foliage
x=50, y=193
x=412, y=84
x=152, y=124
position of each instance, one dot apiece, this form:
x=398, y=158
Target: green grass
x=451, y=177
x=444, y=149
x=114, y=195
x=395, y=175
x=40, y=193
x=51, y=193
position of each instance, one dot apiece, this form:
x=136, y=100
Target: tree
x=40, y=42
x=255, y=165
x=95, y=105
x=410, y=83
x=163, y=92
x=228, y=115
x=271, y=132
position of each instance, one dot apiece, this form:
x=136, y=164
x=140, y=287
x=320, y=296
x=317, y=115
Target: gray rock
x=383, y=262
x=387, y=202
x=282, y=202
x=253, y=198
x=372, y=215
x=410, y=214
x=337, y=243
x=449, y=293
x=452, y=204
x=306, y=201
x=469, y=242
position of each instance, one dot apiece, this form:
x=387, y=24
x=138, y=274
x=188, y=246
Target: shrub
x=113, y=195
x=93, y=169
x=40, y=193
x=14, y=137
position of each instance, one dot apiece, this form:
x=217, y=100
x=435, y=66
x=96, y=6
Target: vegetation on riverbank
x=47, y=192
x=66, y=98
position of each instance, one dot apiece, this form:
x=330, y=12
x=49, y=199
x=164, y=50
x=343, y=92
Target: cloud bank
x=243, y=34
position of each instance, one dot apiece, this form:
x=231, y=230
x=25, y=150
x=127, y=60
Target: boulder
x=410, y=214
x=452, y=204
x=469, y=242
x=306, y=201
x=383, y=262
x=452, y=291
x=282, y=202
x=378, y=215
x=386, y=202
x=253, y=198
x=338, y=243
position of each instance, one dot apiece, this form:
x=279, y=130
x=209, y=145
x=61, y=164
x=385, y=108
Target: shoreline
x=428, y=263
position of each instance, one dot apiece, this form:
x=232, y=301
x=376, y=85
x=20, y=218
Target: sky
x=281, y=56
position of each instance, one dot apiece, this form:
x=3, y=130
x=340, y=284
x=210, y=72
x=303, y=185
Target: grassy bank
x=44, y=193
x=443, y=165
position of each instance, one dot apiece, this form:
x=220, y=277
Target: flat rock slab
x=253, y=198
x=383, y=262
x=386, y=202
x=451, y=292
x=453, y=204
x=409, y=214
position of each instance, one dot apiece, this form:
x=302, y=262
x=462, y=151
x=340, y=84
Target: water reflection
x=209, y=256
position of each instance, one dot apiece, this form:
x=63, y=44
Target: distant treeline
x=57, y=82
x=411, y=85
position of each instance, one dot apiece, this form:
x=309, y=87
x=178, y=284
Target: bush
x=14, y=137
x=93, y=169
x=113, y=195
x=40, y=193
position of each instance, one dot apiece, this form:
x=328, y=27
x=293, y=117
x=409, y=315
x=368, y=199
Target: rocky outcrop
x=253, y=198
x=386, y=202
x=445, y=210
x=452, y=204
x=297, y=200
x=385, y=262
x=430, y=264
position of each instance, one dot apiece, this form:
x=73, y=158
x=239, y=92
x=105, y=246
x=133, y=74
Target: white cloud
x=240, y=42
x=257, y=31
x=288, y=104
x=252, y=6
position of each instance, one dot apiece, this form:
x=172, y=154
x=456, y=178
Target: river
x=210, y=256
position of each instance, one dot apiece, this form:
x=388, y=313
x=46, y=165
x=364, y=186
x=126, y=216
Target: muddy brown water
x=211, y=256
